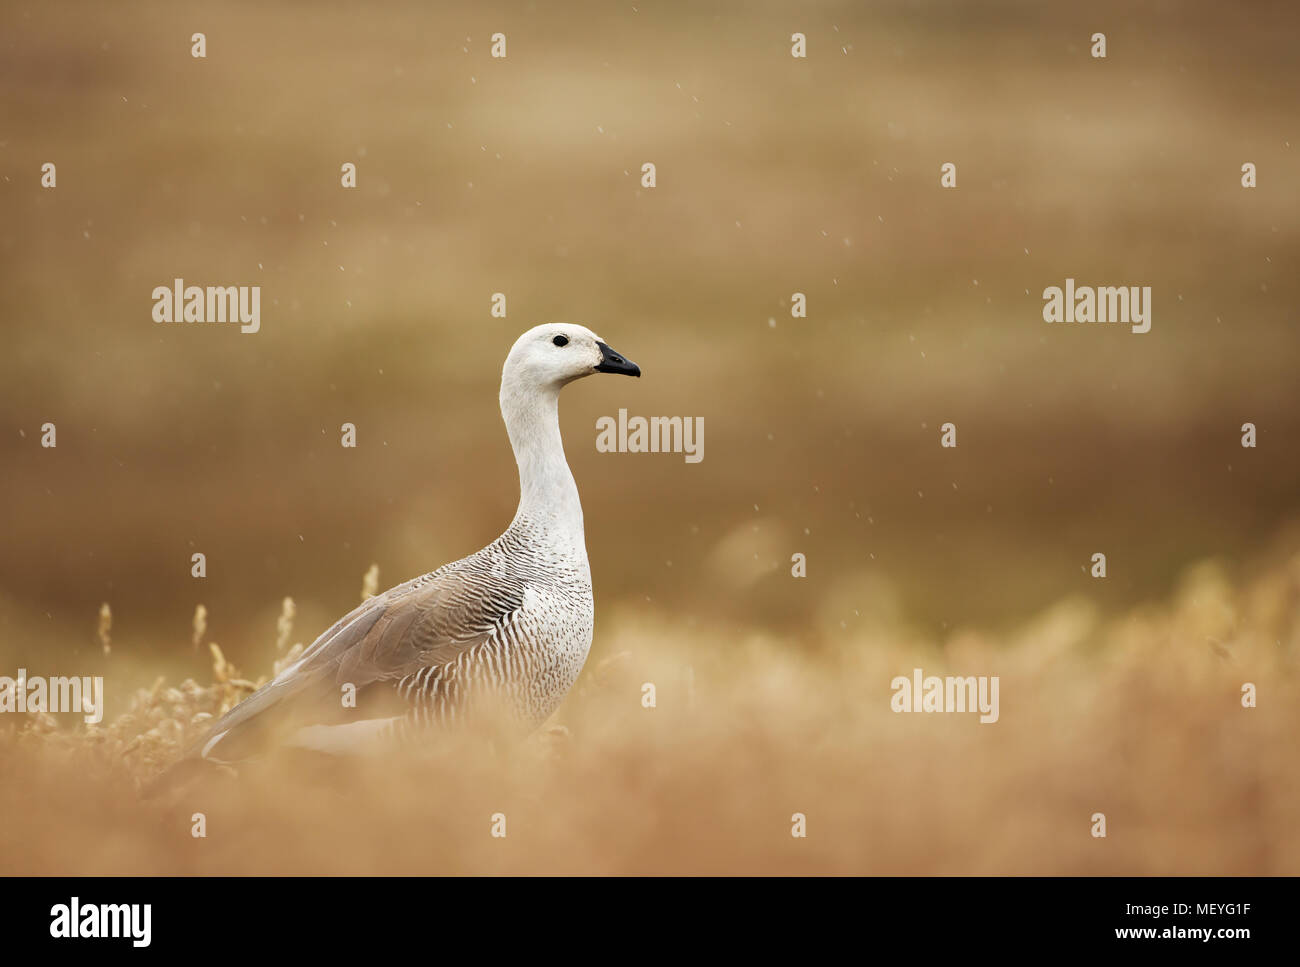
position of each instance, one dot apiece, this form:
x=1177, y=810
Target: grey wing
x=426, y=623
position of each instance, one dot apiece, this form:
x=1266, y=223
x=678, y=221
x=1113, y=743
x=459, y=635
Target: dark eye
x=561, y=340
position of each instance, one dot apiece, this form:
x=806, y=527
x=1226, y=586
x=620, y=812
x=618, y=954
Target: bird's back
x=504, y=632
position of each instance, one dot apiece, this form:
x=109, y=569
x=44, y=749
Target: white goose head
x=541, y=362
x=551, y=355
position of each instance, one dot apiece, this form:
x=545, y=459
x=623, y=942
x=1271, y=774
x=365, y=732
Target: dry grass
x=1139, y=718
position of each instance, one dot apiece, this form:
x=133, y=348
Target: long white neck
x=548, y=496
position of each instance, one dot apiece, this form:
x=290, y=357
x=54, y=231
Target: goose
x=511, y=624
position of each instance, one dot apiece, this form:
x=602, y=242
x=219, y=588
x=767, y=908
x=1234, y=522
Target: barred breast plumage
x=528, y=623
x=506, y=629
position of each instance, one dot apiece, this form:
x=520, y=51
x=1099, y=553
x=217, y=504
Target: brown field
x=476, y=176
x=1137, y=717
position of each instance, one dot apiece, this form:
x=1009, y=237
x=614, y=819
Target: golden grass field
x=1138, y=717
x=476, y=176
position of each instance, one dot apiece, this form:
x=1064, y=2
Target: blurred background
x=522, y=176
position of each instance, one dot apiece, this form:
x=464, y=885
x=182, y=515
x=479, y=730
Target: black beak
x=612, y=362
